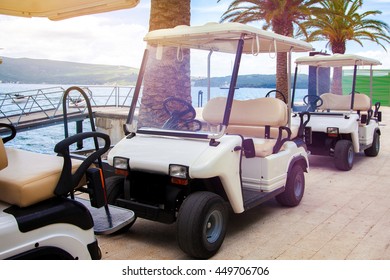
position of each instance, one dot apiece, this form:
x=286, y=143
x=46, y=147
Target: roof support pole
x=371, y=83
x=353, y=86
x=233, y=81
x=289, y=54
x=209, y=74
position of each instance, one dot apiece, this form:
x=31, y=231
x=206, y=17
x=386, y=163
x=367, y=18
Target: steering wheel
x=189, y=125
x=312, y=102
x=179, y=109
x=181, y=115
x=276, y=92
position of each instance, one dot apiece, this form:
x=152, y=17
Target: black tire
x=114, y=189
x=295, y=187
x=201, y=224
x=344, y=155
x=373, y=151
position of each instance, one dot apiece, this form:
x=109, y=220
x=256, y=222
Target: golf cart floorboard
x=253, y=198
x=108, y=222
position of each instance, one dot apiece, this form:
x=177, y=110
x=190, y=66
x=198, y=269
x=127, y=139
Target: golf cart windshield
x=184, y=67
x=331, y=83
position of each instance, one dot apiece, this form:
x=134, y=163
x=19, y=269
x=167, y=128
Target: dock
x=44, y=107
x=42, y=119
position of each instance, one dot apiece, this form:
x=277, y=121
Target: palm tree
x=278, y=15
x=176, y=75
x=339, y=21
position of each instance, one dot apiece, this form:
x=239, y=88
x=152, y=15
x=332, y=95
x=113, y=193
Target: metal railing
x=16, y=106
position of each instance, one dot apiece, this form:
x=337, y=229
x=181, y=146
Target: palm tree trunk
x=337, y=82
x=281, y=74
x=169, y=77
x=284, y=27
x=337, y=86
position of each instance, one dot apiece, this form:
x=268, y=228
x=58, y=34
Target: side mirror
x=249, y=148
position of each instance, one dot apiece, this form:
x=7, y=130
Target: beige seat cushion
x=266, y=148
x=249, y=118
x=30, y=177
x=361, y=102
x=343, y=102
x=3, y=156
x=259, y=131
x=252, y=112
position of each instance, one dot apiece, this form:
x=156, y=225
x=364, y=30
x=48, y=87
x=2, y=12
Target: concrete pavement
x=343, y=215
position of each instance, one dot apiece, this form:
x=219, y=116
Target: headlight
x=121, y=165
x=178, y=171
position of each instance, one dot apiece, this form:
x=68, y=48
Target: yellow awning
x=62, y=9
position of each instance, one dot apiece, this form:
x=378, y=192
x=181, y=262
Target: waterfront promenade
x=343, y=215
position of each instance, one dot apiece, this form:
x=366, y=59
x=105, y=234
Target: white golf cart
x=189, y=165
x=38, y=221
x=341, y=125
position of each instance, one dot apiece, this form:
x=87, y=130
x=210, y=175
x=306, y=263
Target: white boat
x=76, y=102
x=19, y=98
x=226, y=86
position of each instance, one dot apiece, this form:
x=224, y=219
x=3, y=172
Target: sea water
x=43, y=140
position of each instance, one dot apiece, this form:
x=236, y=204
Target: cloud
x=203, y=12
x=116, y=38
x=217, y=8
x=89, y=39
x=380, y=55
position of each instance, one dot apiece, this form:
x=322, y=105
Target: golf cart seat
x=343, y=102
x=30, y=177
x=264, y=119
x=3, y=156
x=362, y=105
x=27, y=178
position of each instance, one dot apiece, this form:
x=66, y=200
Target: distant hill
x=43, y=71
x=251, y=81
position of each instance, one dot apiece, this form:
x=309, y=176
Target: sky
x=116, y=38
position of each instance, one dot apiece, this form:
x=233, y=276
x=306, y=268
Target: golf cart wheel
x=201, y=224
x=295, y=187
x=114, y=190
x=344, y=155
x=373, y=151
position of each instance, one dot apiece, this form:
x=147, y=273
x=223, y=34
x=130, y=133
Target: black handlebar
x=12, y=129
x=68, y=181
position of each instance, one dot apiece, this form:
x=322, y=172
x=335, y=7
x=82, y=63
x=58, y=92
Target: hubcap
x=298, y=185
x=350, y=156
x=213, y=226
x=377, y=143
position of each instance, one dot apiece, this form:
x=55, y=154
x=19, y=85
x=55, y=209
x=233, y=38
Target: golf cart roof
x=223, y=37
x=62, y=9
x=336, y=60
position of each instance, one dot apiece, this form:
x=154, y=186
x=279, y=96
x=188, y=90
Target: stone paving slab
x=343, y=215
